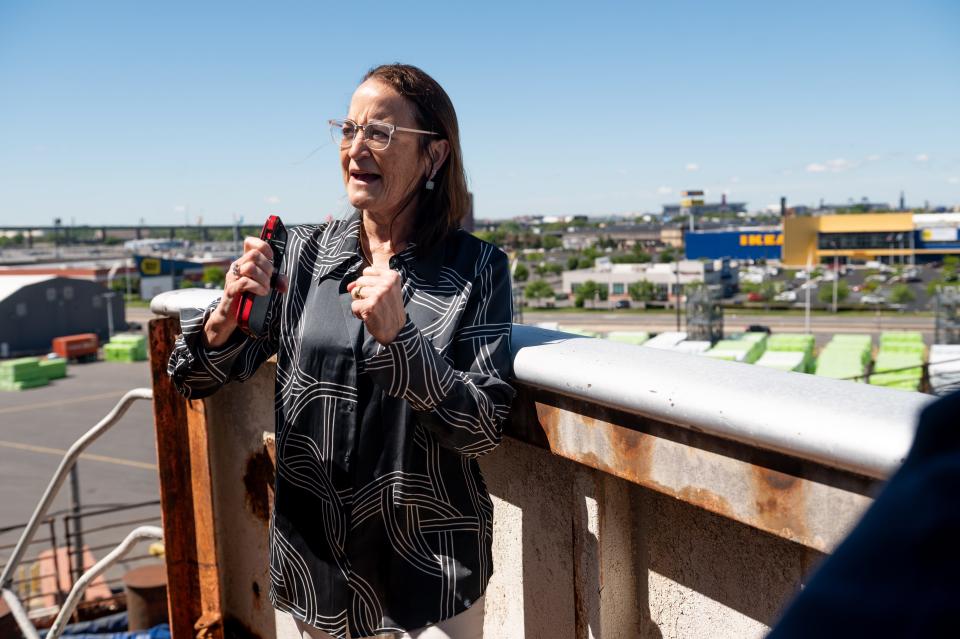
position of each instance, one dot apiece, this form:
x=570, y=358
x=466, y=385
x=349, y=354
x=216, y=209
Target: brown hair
x=440, y=210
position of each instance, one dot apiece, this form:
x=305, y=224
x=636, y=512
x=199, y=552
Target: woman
x=392, y=338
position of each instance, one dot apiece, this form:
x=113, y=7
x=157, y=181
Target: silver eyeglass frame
x=391, y=129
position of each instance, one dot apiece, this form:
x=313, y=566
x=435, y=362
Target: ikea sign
x=742, y=245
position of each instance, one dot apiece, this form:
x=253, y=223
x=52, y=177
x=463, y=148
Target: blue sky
x=115, y=111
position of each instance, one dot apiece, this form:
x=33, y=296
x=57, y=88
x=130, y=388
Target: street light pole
x=676, y=292
x=109, y=295
x=806, y=314
x=836, y=277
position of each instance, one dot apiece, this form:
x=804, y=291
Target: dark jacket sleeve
x=897, y=574
x=198, y=370
x=463, y=404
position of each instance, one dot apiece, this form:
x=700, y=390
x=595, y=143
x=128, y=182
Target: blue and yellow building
x=852, y=238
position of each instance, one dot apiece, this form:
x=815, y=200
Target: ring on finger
x=236, y=269
x=356, y=292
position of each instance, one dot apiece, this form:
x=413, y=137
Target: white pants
x=467, y=625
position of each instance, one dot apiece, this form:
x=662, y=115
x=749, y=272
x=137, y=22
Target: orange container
x=76, y=346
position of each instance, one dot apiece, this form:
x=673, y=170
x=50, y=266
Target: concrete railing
x=640, y=493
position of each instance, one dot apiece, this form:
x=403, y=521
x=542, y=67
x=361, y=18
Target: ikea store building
x=852, y=238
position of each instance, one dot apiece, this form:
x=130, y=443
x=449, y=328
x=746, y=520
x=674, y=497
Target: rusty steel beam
x=799, y=500
x=193, y=572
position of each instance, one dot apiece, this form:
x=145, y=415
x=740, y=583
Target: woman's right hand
x=251, y=272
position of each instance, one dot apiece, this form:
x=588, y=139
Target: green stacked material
x=728, y=355
x=740, y=350
x=900, y=360
x=126, y=348
x=628, y=337
x=753, y=337
x=121, y=353
x=794, y=343
x=139, y=342
x=845, y=357
x=53, y=368
x=784, y=360
x=19, y=374
x=896, y=337
x=902, y=342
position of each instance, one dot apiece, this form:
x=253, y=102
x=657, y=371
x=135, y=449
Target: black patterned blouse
x=382, y=519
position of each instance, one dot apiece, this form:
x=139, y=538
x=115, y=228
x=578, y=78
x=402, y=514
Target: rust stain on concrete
x=258, y=480
x=780, y=502
x=622, y=452
x=776, y=501
x=707, y=500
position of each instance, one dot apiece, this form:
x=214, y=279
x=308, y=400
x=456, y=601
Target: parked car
x=872, y=299
x=754, y=297
x=786, y=296
x=758, y=328
x=622, y=304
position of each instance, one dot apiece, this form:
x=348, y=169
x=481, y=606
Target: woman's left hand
x=378, y=302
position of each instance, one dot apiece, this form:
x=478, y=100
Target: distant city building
x=159, y=274
x=671, y=236
x=864, y=205
x=156, y=244
x=618, y=277
x=624, y=236
x=670, y=211
x=858, y=238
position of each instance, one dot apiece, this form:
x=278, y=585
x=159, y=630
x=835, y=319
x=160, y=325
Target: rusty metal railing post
x=193, y=575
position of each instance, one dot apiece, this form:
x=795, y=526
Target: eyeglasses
x=376, y=135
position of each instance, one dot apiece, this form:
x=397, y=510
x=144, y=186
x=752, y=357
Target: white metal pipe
x=843, y=424
x=62, y=471
x=27, y=628
x=136, y=535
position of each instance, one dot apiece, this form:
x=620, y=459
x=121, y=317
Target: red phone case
x=252, y=309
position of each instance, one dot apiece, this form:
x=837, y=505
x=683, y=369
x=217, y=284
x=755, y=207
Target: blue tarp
x=110, y=627
x=157, y=632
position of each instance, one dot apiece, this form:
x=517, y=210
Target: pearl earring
x=429, y=185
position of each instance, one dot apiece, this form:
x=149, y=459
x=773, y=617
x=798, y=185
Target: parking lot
x=37, y=427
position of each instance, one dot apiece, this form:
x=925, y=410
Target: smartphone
x=252, y=310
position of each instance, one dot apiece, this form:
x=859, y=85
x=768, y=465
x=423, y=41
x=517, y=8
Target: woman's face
x=379, y=181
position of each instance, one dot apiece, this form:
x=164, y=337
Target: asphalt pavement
x=37, y=426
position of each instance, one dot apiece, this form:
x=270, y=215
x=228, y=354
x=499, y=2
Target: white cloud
x=180, y=208
x=839, y=164
x=272, y=199
x=836, y=165
x=664, y=190
x=873, y=157
x=954, y=180
x=734, y=179
x=693, y=166
x=922, y=157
